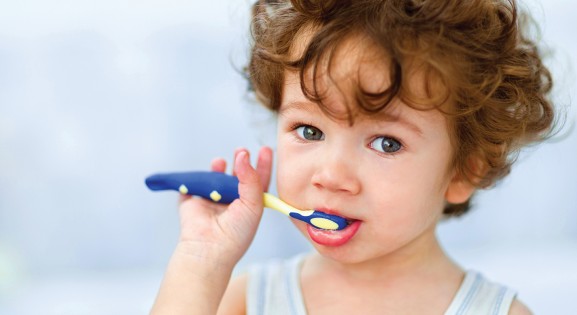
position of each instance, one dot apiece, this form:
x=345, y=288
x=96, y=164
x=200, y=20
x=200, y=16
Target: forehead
x=353, y=59
x=355, y=71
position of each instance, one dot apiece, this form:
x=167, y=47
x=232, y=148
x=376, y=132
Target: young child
x=391, y=114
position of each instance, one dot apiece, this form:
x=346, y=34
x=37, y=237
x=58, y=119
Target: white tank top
x=274, y=289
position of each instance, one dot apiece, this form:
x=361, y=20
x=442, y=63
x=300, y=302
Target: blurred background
x=96, y=95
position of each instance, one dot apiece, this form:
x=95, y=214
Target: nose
x=337, y=173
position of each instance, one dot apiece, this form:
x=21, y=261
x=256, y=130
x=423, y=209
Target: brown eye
x=386, y=144
x=310, y=133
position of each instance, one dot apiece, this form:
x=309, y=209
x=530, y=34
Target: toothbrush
x=223, y=188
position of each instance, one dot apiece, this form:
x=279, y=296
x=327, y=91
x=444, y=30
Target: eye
x=310, y=133
x=386, y=144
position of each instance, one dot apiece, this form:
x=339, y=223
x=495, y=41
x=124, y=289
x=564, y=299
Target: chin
x=345, y=254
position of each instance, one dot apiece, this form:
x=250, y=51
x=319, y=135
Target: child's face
x=388, y=173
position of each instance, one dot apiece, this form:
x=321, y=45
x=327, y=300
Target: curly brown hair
x=478, y=50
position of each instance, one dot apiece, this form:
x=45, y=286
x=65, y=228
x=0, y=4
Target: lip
x=334, y=237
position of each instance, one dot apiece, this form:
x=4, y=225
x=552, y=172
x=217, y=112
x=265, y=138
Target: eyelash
x=399, y=142
x=293, y=128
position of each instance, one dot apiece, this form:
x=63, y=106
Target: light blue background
x=95, y=95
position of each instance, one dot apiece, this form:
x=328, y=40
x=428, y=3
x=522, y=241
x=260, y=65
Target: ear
x=459, y=190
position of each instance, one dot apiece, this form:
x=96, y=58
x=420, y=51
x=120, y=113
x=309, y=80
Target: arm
x=213, y=238
x=191, y=284
x=518, y=308
x=234, y=299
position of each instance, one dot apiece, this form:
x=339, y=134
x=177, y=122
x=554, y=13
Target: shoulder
x=478, y=294
x=234, y=299
x=518, y=308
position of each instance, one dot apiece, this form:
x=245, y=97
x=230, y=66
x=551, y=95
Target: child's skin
x=390, y=173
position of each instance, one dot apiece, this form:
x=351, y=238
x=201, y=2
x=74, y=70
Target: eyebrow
x=298, y=105
x=377, y=117
x=384, y=116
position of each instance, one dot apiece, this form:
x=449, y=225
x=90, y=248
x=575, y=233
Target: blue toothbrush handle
x=216, y=186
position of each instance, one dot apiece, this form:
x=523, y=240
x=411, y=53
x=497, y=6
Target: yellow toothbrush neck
x=272, y=202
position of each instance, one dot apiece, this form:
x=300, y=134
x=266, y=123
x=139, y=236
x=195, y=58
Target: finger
x=201, y=204
x=264, y=166
x=182, y=198
x=249, y=187
x=218, y=165
x=236, y=152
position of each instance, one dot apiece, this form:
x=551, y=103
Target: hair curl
x=492, y=72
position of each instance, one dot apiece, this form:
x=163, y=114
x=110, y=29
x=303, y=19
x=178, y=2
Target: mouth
x=334, y=237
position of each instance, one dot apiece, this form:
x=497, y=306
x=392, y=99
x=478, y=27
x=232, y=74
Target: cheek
x=282, y=181
x=405, y=210
x=295, y=167
x=287, y=164
x=413, y=189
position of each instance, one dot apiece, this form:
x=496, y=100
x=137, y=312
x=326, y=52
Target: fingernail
x=238, y=150
x=241, y=157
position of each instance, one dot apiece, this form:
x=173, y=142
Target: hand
x=221, y=234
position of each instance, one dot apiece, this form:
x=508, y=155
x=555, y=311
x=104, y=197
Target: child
x=391, y=114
